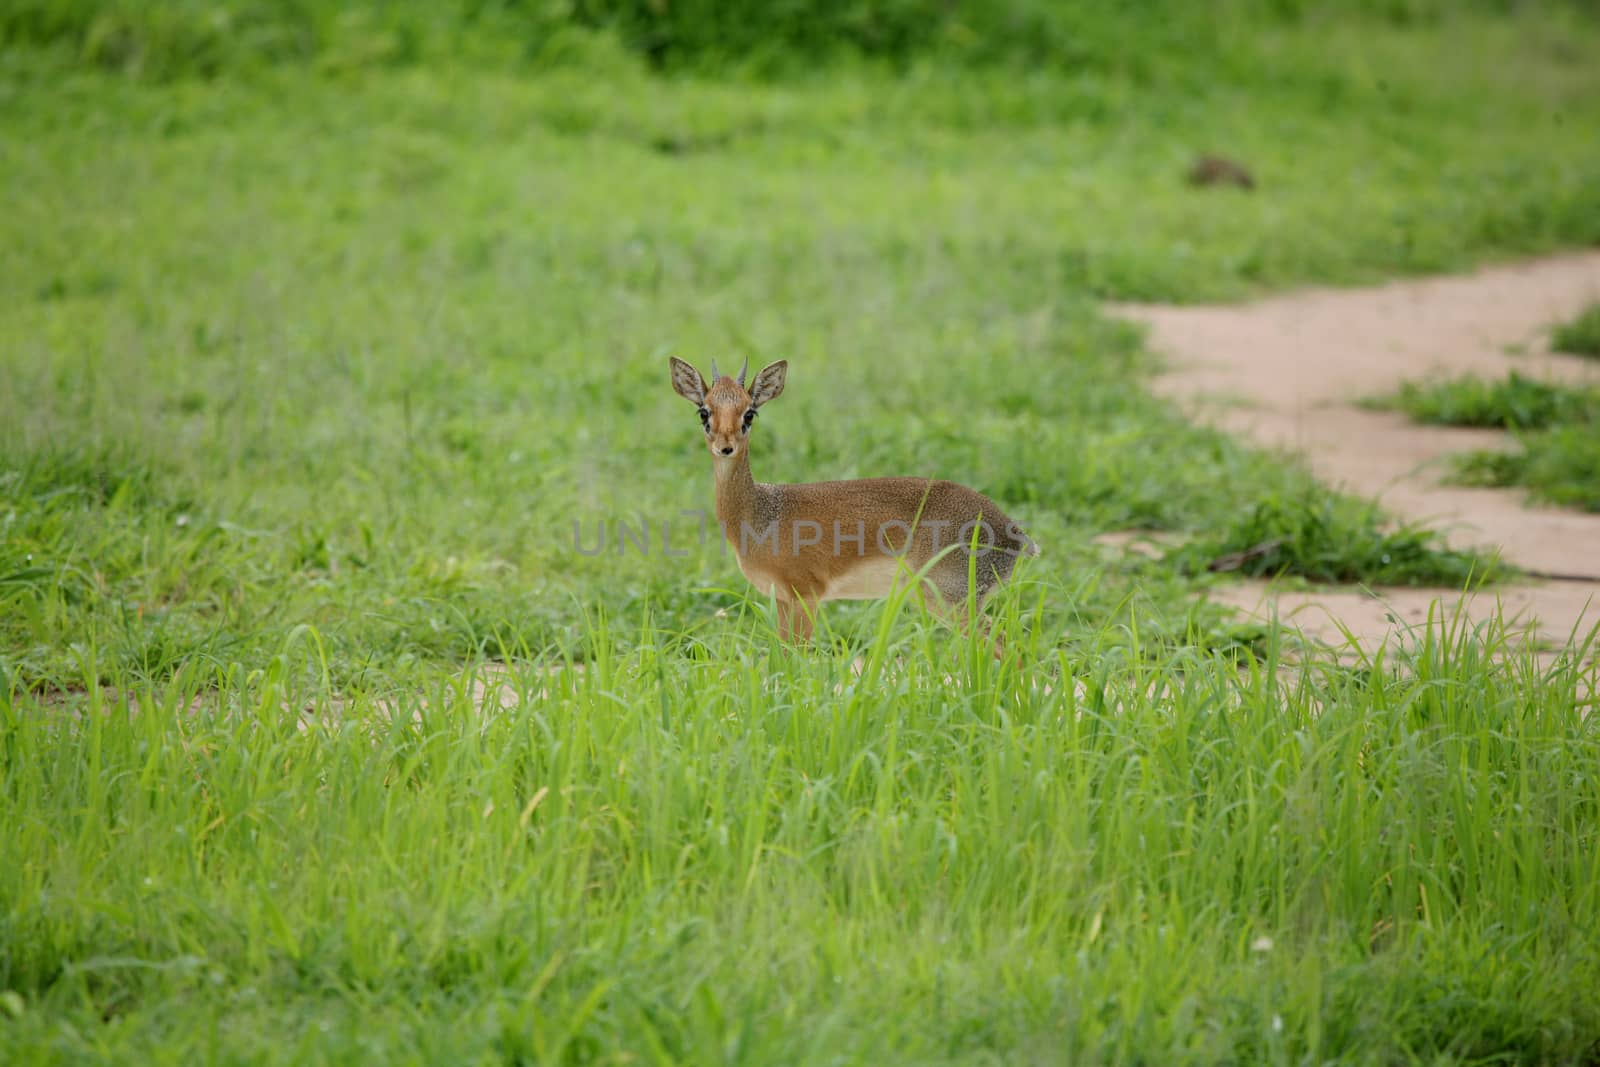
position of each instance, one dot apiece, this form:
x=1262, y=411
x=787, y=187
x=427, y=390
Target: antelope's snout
x=725, y=432
x=727, y=429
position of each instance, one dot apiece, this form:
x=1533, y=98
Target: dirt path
x=1288, y=371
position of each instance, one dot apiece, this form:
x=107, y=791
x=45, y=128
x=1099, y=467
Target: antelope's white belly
x=766, y=584
x=869, y=578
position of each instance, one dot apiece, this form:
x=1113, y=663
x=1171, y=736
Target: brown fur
x=844, y=540
x=1217, y=170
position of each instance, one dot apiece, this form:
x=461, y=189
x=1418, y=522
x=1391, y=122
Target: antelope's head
x=727, y=409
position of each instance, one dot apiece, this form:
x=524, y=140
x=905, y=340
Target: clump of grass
x=1518, y=402
x=1558, y=466
x=1324, y=537
x=1581, y=336
x=1557, y=428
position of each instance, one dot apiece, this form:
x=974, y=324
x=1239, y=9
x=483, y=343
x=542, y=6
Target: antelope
x=848, y=540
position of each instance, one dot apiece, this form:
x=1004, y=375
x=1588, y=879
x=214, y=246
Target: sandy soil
x=1288, y=371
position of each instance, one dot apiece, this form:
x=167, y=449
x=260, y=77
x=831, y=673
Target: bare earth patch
x=1289, y=371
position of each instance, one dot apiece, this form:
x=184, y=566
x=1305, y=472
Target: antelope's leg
x=795, y=619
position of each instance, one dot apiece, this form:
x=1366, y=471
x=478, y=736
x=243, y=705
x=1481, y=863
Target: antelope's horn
x=742, y=370
x=714, y=374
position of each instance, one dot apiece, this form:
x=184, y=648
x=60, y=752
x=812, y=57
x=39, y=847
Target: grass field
x=307, y=375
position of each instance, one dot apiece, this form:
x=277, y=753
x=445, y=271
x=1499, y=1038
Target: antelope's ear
x=687, y=382
x=769, y=383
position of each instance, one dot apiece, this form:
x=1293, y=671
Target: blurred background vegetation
x=1147, y=39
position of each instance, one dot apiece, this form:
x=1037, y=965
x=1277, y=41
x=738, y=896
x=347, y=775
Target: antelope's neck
x=736, y=493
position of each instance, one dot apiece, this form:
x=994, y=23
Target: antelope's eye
x=705, y=413
x=749, y=417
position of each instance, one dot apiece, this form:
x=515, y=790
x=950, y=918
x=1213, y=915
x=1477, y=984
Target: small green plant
x=1518, y=402
x=1581, y=336
x=1557, y=428
x=1323, y=537
x=1558, y=466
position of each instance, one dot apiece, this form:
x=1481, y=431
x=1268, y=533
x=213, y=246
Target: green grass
x=702, y=848
x=1557, y=428
x=1559, y=466
x=1581, y=336
x=1325, y=538
x=306, y=373
x=1515, y=403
